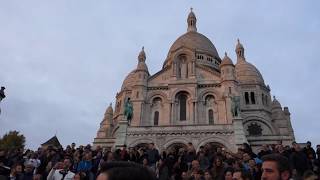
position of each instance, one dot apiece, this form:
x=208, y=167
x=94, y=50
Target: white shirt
x=56, y=175
x=35, y=162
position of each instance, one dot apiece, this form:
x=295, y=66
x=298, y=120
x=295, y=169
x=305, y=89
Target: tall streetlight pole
x=2, y=95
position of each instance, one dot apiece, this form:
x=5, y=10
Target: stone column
x=184, y=69
x=141, y=114
x=174, y=66
x=170, y=120
x=239, y=134
x=193, y=69
x=173, y=108
x=196, y=112
x=228, y=109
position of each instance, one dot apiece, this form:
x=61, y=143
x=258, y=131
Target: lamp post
x=2, y=95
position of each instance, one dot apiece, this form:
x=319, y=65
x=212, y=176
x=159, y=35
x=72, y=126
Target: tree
x=12, y=140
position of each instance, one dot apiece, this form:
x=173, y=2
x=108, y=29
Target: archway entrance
x=214, y=147
x=175, y=147
x=142, y=146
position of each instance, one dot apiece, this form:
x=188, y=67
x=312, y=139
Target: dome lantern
x=141, y=61
x=142, y=55
x=192, y=21
x=240, y=51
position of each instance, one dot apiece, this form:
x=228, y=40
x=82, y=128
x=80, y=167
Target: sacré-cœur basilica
x=190, y=100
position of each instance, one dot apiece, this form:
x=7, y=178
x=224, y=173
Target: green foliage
x=12, y=140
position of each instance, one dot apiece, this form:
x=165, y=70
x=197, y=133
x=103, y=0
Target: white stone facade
x=188, y=100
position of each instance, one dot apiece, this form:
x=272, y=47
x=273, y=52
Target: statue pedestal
x=240, y=136
x=121, y=134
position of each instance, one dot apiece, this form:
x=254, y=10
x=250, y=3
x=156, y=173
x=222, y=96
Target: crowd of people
x=146, y=162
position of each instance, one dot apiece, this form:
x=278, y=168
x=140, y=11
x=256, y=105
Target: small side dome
x=226, y=60
x=109, y=109
x=106, y=123
x=248, y=73
x=275, y=104
x=108, y=115
x=128, y=81
x=133, y=76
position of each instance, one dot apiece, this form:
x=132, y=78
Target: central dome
x=192, y=40
x=195, y=41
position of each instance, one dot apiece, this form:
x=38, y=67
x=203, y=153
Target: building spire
x=192, y=21
x=142, y=55
x=240, y=51
x=142, y=61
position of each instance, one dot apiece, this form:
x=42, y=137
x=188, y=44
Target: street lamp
x=2, y=95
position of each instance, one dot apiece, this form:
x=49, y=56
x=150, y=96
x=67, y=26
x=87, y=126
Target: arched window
x=210, y=116
x=183, y=107
x=209, y=100
x=263, y=101
x=157, y=101
x=156, y=118
x=246, y=97
x=254, y=129
x=253, y=100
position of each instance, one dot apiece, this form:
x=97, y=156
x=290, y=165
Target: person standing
x=298, y=160
x=85, y=166
x=309, y=150
x=318, y=151
x=153, y=156
x=58, y=173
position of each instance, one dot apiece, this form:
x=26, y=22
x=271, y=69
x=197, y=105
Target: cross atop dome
x=192, y=21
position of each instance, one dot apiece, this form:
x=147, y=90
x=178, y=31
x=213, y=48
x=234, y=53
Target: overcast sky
x=63, y=61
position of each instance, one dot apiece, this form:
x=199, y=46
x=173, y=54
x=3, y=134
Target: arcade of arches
x=177, y=147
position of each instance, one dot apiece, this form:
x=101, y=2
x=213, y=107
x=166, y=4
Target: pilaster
x=121, y=134
x=239, y=133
